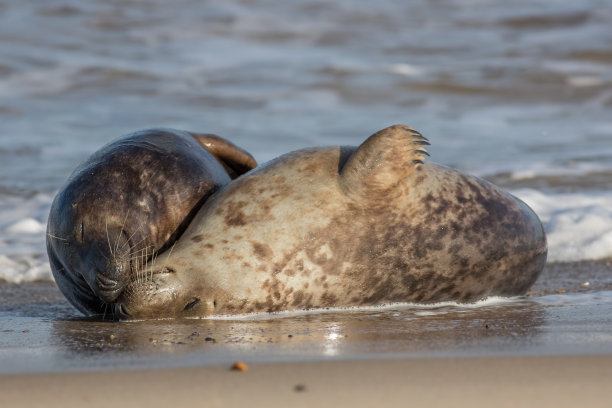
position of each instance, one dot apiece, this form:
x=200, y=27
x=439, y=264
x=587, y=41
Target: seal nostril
x=191, y=304
x=121, y=311
x=214, y=303
x=106, y=283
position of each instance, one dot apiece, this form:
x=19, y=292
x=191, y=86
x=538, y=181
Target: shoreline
x=556, y=381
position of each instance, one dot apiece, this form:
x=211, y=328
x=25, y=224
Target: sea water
x=519, y=93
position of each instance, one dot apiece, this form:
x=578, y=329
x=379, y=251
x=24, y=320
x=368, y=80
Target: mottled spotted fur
x=345, y=226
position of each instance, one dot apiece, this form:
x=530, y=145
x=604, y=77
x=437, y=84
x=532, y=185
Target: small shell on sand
x=240, y=366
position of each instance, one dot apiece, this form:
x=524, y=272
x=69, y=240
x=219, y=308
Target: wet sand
x=558, y=382
x=550, y=348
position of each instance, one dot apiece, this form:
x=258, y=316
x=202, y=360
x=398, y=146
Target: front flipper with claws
x=383, y=160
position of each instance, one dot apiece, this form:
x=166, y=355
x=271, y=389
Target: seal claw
x=421, y=142
x=411, y=130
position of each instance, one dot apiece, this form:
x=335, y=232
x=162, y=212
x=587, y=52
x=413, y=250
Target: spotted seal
x=129, y=201
x=344, y=226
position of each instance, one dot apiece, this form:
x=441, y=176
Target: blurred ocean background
x=517, y=92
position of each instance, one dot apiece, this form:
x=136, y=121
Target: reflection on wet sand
x=396, y=330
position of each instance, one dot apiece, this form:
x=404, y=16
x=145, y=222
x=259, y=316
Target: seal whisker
x=132, y=236
x=144, y=264
x=135, y=245
x=137, y=252
x=56, y=237
x=110, y=249
x=134, y=262
x=138, y=257
x=145, y=261
x=149, y=261
x=122, y=229
x=152, y=263
x=170, y=253
x=139, y=264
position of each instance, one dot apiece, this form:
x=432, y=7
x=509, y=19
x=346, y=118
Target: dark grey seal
x=129, y=201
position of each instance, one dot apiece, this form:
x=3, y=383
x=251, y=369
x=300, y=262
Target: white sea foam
x=581, y=81
x=404, y=69
x=24, y=269
x=578, y=225
x=23, y=256
x=420, y=309
x=26, y=226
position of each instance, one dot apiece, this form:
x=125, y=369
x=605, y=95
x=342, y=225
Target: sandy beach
x=552, y=381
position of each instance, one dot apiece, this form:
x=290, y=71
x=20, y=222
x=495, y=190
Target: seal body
x=344, y=226
x=127, y=202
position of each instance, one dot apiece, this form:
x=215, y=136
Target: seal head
x=129, y=201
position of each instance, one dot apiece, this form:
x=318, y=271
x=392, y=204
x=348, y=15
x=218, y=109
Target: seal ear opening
x=383, y=160
x=235, y=160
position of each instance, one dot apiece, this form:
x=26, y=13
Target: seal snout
x=107, y=288
x=120, y=311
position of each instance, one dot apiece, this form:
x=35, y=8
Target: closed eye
x=191, y=304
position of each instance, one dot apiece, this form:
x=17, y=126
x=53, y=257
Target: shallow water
x=518, y=92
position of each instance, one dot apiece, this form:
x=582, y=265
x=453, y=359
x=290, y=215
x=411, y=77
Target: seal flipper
x=236, y=161
x=383, y=160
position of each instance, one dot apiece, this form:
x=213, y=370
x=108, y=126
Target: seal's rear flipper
x=236, y=161
x=383, y=160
